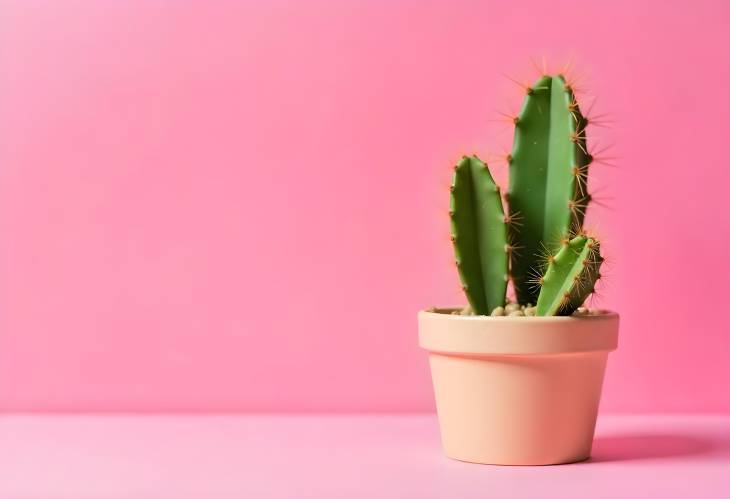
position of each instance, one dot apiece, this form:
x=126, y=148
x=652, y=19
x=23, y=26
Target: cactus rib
x=570, y=277
x=548, y=173
x=479, y=235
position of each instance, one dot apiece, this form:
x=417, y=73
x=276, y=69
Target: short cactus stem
x=479, y=235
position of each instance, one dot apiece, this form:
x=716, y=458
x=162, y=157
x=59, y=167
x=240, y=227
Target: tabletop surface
x=316, y=456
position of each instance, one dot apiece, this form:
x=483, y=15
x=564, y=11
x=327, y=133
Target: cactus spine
x=570, y=276
x=548, y=176
x=479, y=235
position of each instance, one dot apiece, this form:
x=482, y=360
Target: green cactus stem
x=548, y=176
x=570, y=277
x=479, y=235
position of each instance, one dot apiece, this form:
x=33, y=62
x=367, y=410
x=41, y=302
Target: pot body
x=517, y=390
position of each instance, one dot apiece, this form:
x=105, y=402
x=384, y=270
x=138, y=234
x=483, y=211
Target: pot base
x=518, y=410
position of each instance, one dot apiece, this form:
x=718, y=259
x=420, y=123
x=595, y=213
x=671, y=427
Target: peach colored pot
x=517, y=390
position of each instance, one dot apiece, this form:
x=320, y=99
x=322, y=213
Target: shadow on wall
x=635, y=447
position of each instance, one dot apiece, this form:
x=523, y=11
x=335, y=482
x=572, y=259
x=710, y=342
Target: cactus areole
x=540, y=244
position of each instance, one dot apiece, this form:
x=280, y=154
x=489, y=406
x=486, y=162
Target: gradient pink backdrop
x=241, y=205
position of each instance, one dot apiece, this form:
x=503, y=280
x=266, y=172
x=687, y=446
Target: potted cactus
x=520, y=382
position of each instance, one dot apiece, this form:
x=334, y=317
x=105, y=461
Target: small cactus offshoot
x=570, y=277
x=540, y=244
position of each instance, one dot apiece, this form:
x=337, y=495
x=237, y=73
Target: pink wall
x=215, y=207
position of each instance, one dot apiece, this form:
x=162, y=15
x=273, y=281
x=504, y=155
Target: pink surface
x=241, y=205
x=112, y=457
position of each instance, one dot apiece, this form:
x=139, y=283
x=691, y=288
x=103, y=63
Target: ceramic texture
x=517, y=390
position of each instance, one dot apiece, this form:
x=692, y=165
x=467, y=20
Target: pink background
x=215, y=206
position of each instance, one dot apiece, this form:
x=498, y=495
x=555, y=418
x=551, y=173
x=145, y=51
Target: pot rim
x=483, y=335
x=445, y=311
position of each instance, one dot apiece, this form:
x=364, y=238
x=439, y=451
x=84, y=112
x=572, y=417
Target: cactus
x=548, y=173
x=570, y=276
x=479, y=235
x=547, y=198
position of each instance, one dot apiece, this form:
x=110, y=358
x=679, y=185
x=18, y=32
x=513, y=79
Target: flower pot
x=517, y=390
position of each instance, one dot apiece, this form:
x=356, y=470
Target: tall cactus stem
x=548, y=175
